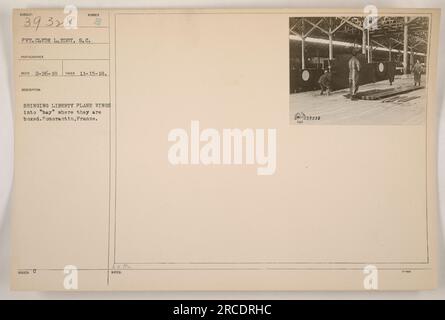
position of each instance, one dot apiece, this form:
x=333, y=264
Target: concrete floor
x=336, y=109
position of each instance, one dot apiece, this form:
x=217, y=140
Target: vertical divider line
x=115, y=139
x=109, y=150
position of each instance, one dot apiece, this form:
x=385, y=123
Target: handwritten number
x=37, y=22
x=27, y=22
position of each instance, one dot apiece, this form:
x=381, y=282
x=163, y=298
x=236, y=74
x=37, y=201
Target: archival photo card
x=254, y=149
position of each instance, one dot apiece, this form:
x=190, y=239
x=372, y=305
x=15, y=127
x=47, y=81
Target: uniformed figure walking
x=354, y=72
x=391, y=72
x=417, y=70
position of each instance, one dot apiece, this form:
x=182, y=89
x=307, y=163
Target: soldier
x=391, y=72
x=417, y=70
x=325, y=82
x=354, y=71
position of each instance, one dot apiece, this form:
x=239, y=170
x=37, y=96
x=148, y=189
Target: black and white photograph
x=356, y=70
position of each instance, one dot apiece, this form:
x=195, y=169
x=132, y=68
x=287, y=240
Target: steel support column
x=364, y=41
x=303, y=58
x=369, y=47
x=405, y=46
x=390, y=50
x=331, y=51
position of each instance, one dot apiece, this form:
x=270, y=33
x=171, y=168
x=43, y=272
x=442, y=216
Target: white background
x=7, y=142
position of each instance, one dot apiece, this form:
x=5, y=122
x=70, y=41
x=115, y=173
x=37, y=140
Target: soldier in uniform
x=417, y=70
x=325, y=81
x=354, y=72
x=391, y=72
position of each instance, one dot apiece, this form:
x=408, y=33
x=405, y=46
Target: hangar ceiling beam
x=316, y=26
x=312, y=29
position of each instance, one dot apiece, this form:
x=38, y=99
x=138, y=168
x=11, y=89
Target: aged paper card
x=224, y=149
